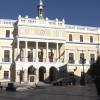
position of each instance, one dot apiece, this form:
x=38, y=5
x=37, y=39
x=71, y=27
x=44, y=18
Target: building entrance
x=53, y=72
x=32, y=74
x=42, y=72
x=21, y=76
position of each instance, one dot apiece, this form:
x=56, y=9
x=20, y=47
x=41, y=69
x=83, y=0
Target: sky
x=75, y=12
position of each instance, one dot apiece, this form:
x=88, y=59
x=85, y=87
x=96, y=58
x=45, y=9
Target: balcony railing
x=92, y=61
x=30, y=59
x=6, y=59
x=71, y=61
x=82, y=62
x=42, y=60
x=61, y=60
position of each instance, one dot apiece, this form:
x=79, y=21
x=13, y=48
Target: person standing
x=97, y=84
x=1, y=86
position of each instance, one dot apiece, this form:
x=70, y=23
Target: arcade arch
x=31, y=74
x=53, y=74
x=42, y=72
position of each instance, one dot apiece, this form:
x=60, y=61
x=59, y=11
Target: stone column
x=33, y=55
x=47, y=75
x=25, y=75
x=65, y=53
x=11, y=55
x=57, y=54
x=36, y=51
x=37, y=76
x=26, y=51
x=47, y=52
x=18, y=50
x=17, y=76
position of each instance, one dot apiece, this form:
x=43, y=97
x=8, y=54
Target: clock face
x=42, y=32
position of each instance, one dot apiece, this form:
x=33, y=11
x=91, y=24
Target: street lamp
x=82, y=80
x=83, y=62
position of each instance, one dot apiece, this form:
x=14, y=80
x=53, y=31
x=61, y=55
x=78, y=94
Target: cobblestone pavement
x=49, y=92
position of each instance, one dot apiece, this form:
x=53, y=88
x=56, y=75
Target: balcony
x=42, y=60
x=71, y=61
x=30, y=59
x=92, y=61
x=51, y=60
x=82, y=61
x=6, y=59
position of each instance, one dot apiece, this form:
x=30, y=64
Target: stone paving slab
x=49, y=92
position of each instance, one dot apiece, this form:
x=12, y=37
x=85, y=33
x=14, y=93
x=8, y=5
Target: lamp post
x=82, y=80
x=83, y=62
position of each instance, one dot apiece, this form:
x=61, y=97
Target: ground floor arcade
x=38, y=72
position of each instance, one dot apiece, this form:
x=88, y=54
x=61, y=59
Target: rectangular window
x=40, y=56
x=30, y=56
x=81, y=58
x=92, y=58
x=91, y=39
x=71, y=58
x=21, y=54
x=6, y=74
x=7, y=33
x=6, y=55
x=70, y=37
x=51, y=55
x=81, y=38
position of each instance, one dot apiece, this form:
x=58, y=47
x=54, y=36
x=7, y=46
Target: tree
x=95, y=68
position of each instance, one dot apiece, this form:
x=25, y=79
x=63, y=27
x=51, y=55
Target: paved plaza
x=48, y=92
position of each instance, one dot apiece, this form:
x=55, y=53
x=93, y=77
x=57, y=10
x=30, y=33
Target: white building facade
x=39, y=49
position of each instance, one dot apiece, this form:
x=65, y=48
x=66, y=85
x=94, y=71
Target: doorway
x=42, y=72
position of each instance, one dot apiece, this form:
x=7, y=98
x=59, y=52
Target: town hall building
x=40, y=49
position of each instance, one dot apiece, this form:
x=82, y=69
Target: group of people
x=97, y=84
x=82, y=79
x=1, y=87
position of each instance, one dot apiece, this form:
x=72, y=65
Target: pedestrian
x=82, y=79
x=73, y=81
x=1, y=87
x=35, y=84
x=97, y=84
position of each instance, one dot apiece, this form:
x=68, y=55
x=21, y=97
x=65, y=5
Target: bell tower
x=40, y=8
